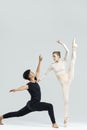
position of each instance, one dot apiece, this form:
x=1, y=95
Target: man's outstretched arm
x=25, y=87
x=38, y=67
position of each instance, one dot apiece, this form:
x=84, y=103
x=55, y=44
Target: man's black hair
x=26, y=74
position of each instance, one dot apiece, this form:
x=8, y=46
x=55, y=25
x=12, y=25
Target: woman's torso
x=59, y=69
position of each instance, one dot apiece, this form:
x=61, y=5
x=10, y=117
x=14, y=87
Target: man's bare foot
x=65, y=121
x=1, y=120
x=55, y=126
x=74, y=45
x=1, y=123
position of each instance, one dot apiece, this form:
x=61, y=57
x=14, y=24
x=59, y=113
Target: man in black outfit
x=34, y=104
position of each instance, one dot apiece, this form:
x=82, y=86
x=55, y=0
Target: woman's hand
x=60, y=42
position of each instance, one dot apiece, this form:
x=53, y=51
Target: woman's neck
x=57, y=60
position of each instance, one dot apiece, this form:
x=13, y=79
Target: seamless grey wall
x=29, y=28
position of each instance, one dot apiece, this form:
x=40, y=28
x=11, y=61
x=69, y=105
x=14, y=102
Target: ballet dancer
x=34, y=104
x=64, y=76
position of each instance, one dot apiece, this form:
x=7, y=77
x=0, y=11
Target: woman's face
x=55, y=57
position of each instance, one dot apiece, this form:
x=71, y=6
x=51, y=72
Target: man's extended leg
x=19, y=113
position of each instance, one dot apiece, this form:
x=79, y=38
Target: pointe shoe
x=74, y=45
x=55, y=126
x=65, y=122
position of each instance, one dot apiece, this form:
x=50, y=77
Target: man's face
x=31, y=75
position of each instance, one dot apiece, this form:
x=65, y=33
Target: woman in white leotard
x=65, y=77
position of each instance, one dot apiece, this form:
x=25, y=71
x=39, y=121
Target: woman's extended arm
x=66, y=48
x=25, y=87
x=45, y=74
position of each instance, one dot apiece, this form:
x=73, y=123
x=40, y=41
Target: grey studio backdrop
x=29, y=28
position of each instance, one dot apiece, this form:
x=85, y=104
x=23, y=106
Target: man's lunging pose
x=34, y=104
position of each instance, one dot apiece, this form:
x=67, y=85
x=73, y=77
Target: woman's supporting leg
x=65, y=89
